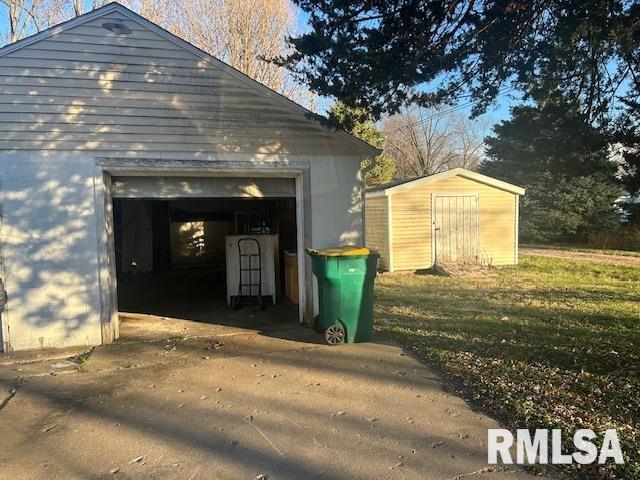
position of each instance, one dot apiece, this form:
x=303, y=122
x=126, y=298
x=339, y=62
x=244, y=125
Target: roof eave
x=61, y=27
x=478, y=177
x=377, y=193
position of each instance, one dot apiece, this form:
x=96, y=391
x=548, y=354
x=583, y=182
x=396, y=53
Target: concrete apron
x=279, y=404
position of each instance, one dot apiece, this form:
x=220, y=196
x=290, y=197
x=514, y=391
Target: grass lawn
x=574, y=248
x=548, y=343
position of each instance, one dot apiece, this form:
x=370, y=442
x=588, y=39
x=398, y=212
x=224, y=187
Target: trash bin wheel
x=334, y=335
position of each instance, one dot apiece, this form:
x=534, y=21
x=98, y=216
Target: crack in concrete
x=183, y=360
x=492, y=469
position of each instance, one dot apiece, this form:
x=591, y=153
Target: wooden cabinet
x=270, y=264
x=291, y=275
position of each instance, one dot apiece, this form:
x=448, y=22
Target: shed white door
x=455, y=228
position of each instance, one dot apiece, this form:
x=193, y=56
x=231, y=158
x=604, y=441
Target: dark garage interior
x=171, y=258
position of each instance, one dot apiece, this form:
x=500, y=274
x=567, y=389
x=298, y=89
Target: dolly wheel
x=334, y=334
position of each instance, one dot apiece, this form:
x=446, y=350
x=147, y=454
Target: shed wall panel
x=412, y=222
x=377, y=229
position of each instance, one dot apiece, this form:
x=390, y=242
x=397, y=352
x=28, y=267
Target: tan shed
x=457, y=216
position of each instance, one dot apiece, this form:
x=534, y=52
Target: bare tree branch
x=243, y=33
x=246, y=34
x=424, y=142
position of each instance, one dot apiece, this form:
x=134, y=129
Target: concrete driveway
x=276, y=405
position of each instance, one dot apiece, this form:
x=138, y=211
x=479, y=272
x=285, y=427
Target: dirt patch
x=582, y=256
x=460, y=270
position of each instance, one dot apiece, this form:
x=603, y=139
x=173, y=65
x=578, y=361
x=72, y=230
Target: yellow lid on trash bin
x=339, y=251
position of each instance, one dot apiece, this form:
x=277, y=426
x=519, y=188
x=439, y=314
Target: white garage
x=112, y=137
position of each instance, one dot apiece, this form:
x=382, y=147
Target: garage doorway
x=171, y=253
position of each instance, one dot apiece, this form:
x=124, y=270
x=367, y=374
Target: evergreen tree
x=386, y=54
x=563, y=163
x=626, y=139
x=361, y=124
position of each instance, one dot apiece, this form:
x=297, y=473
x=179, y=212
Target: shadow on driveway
x=239, y=406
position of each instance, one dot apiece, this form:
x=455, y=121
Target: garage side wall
x=336, y=202
x=377, y=229
x=411, y=232
x=412, y=222
x=49, y=241
x=336, y=192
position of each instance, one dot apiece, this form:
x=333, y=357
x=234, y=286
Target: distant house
x=456, y=216
x=116, y=135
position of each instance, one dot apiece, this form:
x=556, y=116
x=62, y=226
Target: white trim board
x=517, y=230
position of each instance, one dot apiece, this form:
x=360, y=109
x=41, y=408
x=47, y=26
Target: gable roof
x=115, y=7
x=394, y=183
x=399, y=185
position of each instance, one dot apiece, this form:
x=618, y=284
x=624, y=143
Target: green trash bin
x=345, y=292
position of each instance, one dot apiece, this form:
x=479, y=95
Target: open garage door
x=199, y=187
x=175, y=242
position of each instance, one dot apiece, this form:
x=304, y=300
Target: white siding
x=49, y=251
x=87, y=89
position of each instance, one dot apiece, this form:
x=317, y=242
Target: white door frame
x=5, y=344
x=108, y=167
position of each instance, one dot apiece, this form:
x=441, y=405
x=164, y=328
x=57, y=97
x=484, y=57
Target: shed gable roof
x=402, y=185
x=306, y=116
